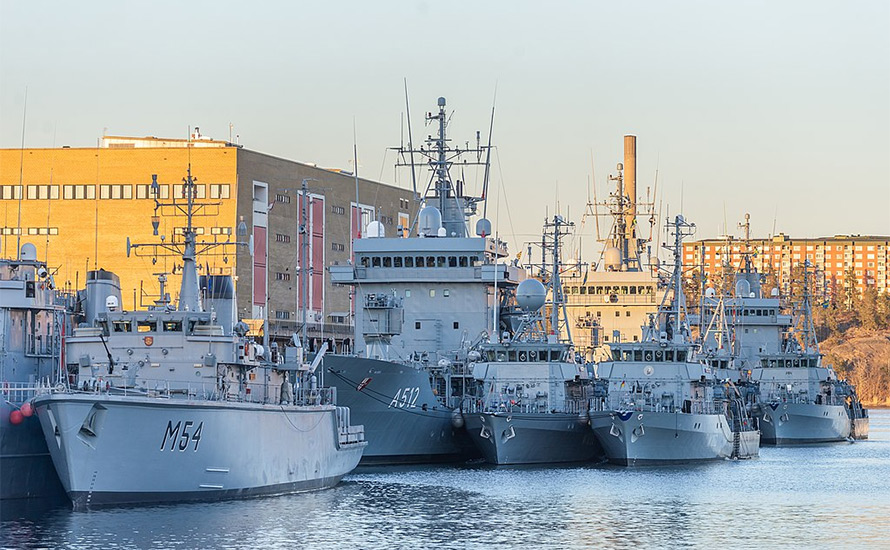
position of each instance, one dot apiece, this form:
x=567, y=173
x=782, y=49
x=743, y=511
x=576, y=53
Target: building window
x=143, y=191
x=282, y=198
x=12, y=231
x=282, y=238
x=115, y=191
x=282, y=276
x=10, y=192
x=79, y=192
x=220, y=191
x=337, y=247
x=338, y=210
x=282, y=314
x=220, y=230
x=42, y=192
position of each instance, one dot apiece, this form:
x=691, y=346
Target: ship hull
x=803, y=423
x=648, y=438
x=524, y=438
x=26, y=468
x=111, y=450
x=404, y=422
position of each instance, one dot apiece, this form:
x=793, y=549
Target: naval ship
x=177, y=404
x=532, y=397
x=662, y=405
x=33, y=320
x=424, y=299
x=799, y=399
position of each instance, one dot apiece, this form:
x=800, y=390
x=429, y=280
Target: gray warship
x=176, y=404
x=799, y=399
x=532, y=397
x=33, y=320
x=662, y=405
x=424, y=299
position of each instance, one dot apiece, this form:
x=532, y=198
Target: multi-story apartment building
x=80, y=206
x=839, y=262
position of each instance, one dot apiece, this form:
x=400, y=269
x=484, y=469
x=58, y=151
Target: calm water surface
x=826, y=496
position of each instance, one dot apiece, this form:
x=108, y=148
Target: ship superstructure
x=610, y=300
x=422, y=303
x=176, y=403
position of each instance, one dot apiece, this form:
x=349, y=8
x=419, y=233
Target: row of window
x=418, y=325
x=419, y=261
x=617, y=289
x=112, y=191
x=31, y=231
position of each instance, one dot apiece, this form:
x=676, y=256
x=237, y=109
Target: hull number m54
x=181, y=435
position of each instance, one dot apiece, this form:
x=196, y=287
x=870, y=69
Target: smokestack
x=630, y=181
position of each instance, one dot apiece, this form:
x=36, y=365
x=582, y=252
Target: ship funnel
x=219, y=296
x=103, y=290
x=630, y=181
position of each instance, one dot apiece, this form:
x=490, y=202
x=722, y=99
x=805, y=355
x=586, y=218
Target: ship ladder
x=736, y=443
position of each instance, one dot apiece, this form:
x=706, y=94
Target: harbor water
x=824, y=496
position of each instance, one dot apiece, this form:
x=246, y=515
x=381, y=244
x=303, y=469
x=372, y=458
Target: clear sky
x=780, y=109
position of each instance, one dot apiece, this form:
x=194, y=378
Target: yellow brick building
x=79, y=206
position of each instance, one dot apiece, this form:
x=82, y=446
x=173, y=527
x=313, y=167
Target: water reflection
x=823, y=496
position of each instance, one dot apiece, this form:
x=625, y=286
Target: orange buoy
x=16, y=418
x=27, y=408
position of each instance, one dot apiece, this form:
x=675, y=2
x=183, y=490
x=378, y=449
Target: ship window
x=616, y=355
x=397, y=261
x=430, y=261
x=511, y=355
x=452, y=261
x=407, y=293
x=446, y=293
x=628, y=355
x=172, y=326
x=669, y=355
x=456, y=325
x=463, y=261
x=387, y=262
x=409, y=261
x=474, y=260
x=523, y=356
x=440, y=261
x=681, y=356
x=375, y=261
x=417, y=325
x=418, y=261
x=432, y=293
x=365, y=262
x=555, y=355
x=121, y=326
x=146, y=326
x=638, y=355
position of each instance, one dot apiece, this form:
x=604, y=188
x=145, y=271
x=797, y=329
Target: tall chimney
x=630, y=185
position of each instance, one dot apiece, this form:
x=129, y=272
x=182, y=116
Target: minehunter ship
x=176, y=404
x=531, y=402
x=423, y=300
x=662, y=405
x=799, y=400
x=33, y=319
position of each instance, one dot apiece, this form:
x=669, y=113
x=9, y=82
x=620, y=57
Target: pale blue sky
x=766, y=107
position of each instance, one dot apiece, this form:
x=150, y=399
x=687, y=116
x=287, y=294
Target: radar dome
x=429, y=221
x=375, y=230
x=29, y=252
x=742, y=288
x=710, y=292
x=612, y=259
x=531, y=295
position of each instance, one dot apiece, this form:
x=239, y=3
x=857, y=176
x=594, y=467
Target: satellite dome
x=531, y=295
x=429, y=221
x=29, y=252
x=375, y=230
x=612, y=259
